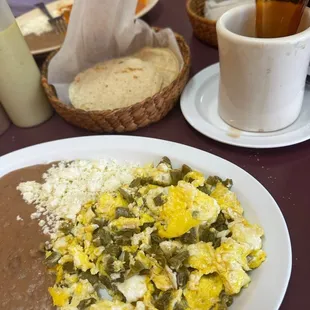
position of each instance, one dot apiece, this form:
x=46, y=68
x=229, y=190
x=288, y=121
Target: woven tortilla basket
x=126, y=119
x=204, y=29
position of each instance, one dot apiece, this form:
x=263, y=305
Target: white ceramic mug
x=262, y=80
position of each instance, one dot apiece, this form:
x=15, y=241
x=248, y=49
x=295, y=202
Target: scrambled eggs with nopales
x=171, y=239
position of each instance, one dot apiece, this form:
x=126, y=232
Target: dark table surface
x=284, y=172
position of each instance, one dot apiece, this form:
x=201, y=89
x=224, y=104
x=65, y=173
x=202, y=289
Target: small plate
x=149, y=7
x=199, y=103
x=50, y=41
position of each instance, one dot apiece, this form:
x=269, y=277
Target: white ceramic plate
x=199, y=103
x=53, y=6
x=270, y=281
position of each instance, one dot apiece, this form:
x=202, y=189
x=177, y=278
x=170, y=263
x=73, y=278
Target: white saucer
x=199, y=104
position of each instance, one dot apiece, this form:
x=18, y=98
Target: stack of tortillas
x=122, y=82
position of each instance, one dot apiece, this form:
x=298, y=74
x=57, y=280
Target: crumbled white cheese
x=69, y=185
x=35, y=215
x=19, y=218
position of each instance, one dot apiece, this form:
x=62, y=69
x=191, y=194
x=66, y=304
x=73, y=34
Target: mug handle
x=308, y=77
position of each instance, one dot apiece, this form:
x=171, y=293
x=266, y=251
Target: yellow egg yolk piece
x=206, y=295
x=176, y=213
x=227, y=200
x=231, y=263
x=59, y=295
x=202, y=257
x=257, y=258
x=108, y=203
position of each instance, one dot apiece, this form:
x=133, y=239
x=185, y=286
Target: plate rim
x=139, y=144
x=193, y=117
x=151, y=4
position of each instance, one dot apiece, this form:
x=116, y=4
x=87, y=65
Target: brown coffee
x=278, y=18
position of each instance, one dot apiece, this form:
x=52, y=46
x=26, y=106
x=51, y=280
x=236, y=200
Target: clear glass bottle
x=21, y=93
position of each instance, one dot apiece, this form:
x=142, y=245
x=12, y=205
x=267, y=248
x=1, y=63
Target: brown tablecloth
x=285, y=172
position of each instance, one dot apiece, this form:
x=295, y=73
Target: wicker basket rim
x=185, y=51
x=197, y=16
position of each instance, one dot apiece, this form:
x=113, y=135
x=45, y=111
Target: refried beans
x=24, y=279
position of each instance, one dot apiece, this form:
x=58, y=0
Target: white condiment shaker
x=4, y=121
x=21, y=92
